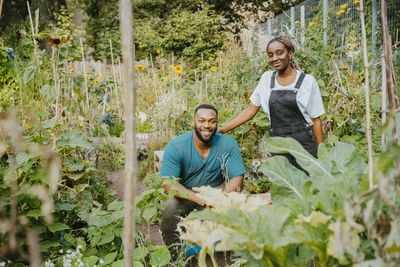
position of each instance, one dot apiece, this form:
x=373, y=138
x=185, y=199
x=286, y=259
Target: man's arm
x=190, y=194
x=235, y=184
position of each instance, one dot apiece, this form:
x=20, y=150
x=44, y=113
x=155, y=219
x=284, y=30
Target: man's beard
x=205, y=141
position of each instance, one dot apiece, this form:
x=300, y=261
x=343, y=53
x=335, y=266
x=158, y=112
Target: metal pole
x=373, y=33
x=126, y=24
x=325, y=20
x=292, y=20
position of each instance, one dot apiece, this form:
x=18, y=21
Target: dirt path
x=117, y=179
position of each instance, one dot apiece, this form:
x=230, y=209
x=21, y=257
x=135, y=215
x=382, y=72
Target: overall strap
x=300, y=81
x=273, y=80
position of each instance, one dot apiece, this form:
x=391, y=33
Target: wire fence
x=343, y=17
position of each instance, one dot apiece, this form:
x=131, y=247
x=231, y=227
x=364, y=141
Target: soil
x=117, y=179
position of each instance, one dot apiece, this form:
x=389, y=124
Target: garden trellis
x=285, y=23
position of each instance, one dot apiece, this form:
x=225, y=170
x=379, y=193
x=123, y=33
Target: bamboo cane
x=391, y=87
x=31, y=21
x=126, y=28
x=115, y=80
x=154, y=76
x=367, y=104
x=84, y=75
x=1, y=7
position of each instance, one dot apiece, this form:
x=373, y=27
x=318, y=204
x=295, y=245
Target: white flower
x=3, y=263
x=101, y=261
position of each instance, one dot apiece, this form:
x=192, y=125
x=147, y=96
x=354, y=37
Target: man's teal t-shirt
x=181, y=160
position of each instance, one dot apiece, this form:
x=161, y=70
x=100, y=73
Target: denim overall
x=287, y=119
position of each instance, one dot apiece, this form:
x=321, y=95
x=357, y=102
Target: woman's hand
x=244, y=116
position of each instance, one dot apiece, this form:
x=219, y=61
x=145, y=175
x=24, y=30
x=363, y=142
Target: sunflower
x=165, y=79
x=213, y=68
x=70, y=68
x=57, y=40
x=178, y=69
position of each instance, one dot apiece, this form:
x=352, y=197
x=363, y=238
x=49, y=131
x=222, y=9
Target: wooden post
x=367, y=104
x=373, y=37
x=126, y=24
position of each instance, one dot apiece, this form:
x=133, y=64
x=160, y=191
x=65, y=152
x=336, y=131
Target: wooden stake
x=115, y=80
x=30, y=19
x=367, y=104
x=1, y=7
x=84, y=75
x=126, y=19
x=391, y=86
x=154, y=76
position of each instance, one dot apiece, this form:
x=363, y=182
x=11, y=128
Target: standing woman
x=290, y=98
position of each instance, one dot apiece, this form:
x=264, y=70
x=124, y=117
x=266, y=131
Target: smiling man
x=198, y=158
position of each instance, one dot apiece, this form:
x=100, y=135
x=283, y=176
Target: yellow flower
x=343, y=6
x=70, y=68
x=102, y=77
x=88, y=73
x=96, y=81
x=178, y=69
x=158, y=51
x=297, y=22
x=213, y=68
x=316, y=18
x=98, y=75
x=90, y=83
x=339, y=12
x=310, y=23
x=356, y=1
x=25, y=125
x=165, y=79
x=207, y=64
x=170, y=66
x=141, y=67
x=348, y=9
x=211, y=58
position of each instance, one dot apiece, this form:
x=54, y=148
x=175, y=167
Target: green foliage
x=191, y=35
x=110, y=156
x=329, y=214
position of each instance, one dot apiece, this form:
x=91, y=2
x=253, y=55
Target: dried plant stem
x=54, y=67
x=367, y=104
x=115, y=80
x=84, y=75
x=126, y=27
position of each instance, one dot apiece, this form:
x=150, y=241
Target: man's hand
x=190, y=195
x=235, y=184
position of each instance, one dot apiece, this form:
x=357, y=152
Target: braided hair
x=289, y=46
